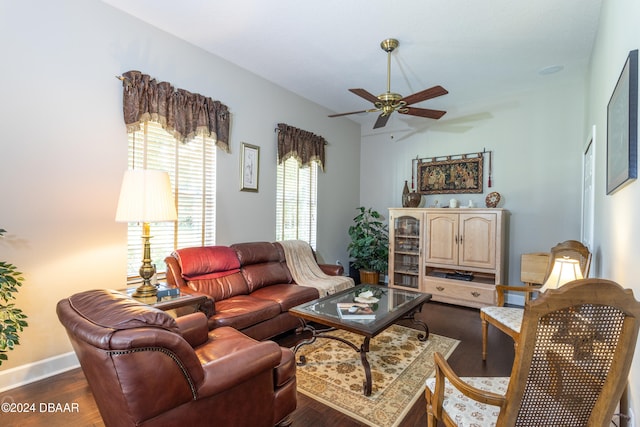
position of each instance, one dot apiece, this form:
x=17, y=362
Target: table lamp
x=564, y=270
x=146, y=197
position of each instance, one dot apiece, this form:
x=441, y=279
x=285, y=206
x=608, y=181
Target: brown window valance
x=182, y=113
x=300, y=144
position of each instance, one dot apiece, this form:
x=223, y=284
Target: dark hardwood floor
x=452, y=321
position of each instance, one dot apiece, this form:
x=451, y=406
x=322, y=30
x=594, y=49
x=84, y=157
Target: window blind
x=191, y=167
x=296, y=202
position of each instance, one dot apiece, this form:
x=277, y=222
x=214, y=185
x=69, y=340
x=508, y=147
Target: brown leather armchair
x=146, y=368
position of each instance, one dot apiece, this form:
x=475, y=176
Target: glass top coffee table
x=380, y=307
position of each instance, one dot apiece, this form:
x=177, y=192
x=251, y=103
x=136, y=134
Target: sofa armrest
x=208, y=307
x=174, y=275
x=286, y=369
x=332, y=269
x=237, y=365
x=194, y=328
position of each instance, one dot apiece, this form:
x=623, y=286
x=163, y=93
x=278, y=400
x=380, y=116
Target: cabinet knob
x=475, y=294
x=440, y=288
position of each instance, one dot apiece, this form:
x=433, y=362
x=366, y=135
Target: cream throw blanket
x=306, y=272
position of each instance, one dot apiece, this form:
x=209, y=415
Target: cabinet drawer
x=461, y=293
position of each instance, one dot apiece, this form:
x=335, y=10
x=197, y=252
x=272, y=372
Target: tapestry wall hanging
x=448, y=175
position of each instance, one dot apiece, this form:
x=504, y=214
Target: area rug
x=400, y=364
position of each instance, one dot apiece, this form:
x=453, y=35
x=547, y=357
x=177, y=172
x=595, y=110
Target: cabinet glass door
x=406, y=252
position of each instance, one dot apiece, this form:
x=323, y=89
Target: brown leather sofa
x=250, y=284
x=147, y=369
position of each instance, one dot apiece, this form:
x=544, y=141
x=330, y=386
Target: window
x=191, y=166
x=296, y=201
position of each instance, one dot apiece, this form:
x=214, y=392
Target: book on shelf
x=355, y=311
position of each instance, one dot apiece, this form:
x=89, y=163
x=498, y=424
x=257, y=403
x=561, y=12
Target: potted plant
x=12, y=319
x=369, y=247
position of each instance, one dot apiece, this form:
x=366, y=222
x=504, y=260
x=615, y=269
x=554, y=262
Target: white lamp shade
x=564, y=271
x=146, y=196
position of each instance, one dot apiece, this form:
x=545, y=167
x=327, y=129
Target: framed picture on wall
x=462, y=175
x=250, y=167
x=622, y=127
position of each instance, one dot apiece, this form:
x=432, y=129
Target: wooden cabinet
x=406, y=232
x=460, y=253
x=462, y=239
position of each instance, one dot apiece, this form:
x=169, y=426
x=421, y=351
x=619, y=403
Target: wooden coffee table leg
x=412, y=316
x=315, y=334
x=311, y=340
x=364, y=349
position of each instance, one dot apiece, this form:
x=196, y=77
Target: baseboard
x=31, y=372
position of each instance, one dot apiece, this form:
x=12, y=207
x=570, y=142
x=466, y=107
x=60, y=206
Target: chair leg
x=286, y=422
x=485, y=334
x=431, y=418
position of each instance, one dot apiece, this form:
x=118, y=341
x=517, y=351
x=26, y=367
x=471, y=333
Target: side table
x=177, y=305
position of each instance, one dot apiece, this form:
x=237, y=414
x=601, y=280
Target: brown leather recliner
x=146, y=368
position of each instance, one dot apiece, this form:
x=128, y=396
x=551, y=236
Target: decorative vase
x=405, y=195
x=492, y=199
x=413, y=199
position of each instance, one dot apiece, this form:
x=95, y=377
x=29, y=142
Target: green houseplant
x=369, y=247
x=12, y=319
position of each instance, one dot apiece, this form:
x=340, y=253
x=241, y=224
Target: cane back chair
x=570, y=368
x=534, y=269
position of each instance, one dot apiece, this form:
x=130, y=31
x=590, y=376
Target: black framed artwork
x=622, y=127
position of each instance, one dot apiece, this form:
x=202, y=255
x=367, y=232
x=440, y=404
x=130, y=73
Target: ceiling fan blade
x=423, y=112
x=364, y=94
x=423, y=95
x=382, y=121
x=346, y=114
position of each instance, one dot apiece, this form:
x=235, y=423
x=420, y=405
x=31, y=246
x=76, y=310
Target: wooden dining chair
x=534, y=269
x=570, y=369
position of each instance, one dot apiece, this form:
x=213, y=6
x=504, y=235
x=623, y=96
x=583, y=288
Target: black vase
x=354, y=273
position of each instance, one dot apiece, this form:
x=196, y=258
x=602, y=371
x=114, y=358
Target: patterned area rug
x=400, y=364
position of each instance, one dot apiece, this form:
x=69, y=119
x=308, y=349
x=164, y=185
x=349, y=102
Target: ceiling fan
x=389, y=102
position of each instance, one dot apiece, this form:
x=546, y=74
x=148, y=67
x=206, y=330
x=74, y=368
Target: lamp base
x=145, y=290
x=147, y=270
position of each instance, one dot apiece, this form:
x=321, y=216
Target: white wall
x=536, y=137
x=617, y=229
x=63, y=153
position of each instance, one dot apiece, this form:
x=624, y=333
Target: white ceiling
x=318, y=49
